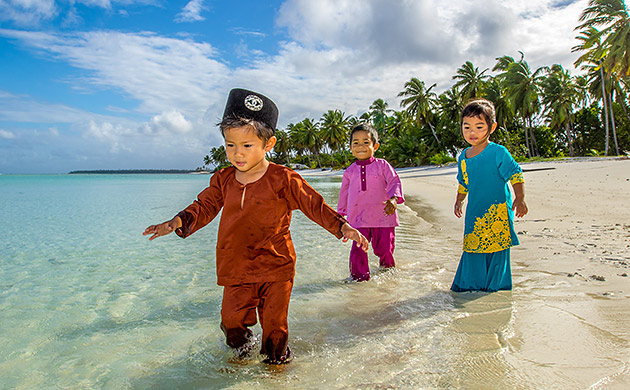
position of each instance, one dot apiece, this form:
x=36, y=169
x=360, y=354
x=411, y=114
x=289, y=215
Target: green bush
x=441, y=159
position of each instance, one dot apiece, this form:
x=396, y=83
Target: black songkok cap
x=251, y=105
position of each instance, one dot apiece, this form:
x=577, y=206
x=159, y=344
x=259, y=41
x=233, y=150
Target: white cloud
x=347, y=53
x=34, y=12
x=171, y=122
x=27, y=12
x=342, y=54
x=375, y=31
x=6, y=134
x=110, y=133
x=159, y=72
x=381, y=32
x=339, y=54
x=191, y=12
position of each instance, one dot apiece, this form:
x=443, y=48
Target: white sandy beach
x=571, y=297
x=567, y=323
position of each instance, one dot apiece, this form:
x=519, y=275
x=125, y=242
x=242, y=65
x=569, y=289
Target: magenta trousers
x=382, y=240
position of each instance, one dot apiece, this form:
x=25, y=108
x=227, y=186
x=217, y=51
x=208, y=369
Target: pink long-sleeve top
x=365, y=186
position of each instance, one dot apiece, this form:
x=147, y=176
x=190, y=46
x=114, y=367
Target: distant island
x=135, y=171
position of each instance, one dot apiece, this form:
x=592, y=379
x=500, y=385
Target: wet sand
x=565, y=324
x=570, y=305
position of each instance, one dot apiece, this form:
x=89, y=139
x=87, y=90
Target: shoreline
x=571, y=294
x=339, y=172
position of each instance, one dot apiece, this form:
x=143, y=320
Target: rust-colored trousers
x=238, y=313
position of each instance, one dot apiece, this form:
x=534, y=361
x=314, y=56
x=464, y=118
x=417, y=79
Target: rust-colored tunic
x=254, y=243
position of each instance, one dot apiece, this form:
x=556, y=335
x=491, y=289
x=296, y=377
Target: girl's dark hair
x=365, y=127
x=262, y=130
x=479, y=108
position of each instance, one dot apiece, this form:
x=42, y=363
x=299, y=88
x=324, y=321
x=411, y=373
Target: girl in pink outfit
x=370, y=193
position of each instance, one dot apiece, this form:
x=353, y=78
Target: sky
x=123, y=84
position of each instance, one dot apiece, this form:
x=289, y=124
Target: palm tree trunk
x=529, y=150
x=434, y=133
x=612, y=120
x=601, y=70
x=532, y=139
x=567, y=129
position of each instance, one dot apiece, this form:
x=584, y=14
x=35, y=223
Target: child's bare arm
x=391, y=205
x=163, y=229
x=519, y=204
x=350, y=233
x=457, y=209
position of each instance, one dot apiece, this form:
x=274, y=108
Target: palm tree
x=496, y=92
x=560, y=97
x=306, y=137
x=613, y=16
x=420, y=102
x=450, y=105
x=581, y=83
x=523, y=91
x=592, y=61
x=217, y=157
x=378, y=113
x=400, y=123
x=312, y=138
x=334, y=130
x=610, y=47
x=296, y=138
x=283, y=146
x=471, y=81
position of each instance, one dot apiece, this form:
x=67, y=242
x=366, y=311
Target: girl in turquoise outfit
x=484, y=169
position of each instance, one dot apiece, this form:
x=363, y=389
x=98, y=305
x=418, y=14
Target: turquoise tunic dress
x=489, y=224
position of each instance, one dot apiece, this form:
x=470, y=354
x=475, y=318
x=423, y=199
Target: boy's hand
x=390, y=205
x=520, y=207
x=350, y=233
x=163, y=229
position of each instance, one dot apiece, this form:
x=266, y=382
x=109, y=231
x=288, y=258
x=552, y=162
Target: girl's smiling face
x=475, y=130
x=362, y=145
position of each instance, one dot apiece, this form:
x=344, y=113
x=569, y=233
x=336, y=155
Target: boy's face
x=475, y=130
x=244, y=149
x=362, y=146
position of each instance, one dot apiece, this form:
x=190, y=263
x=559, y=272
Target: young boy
x=254, y=253
x=370, y=193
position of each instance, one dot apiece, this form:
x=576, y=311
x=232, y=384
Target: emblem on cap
x=253, y=102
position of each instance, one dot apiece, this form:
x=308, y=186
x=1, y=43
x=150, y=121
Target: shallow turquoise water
x=88, y=302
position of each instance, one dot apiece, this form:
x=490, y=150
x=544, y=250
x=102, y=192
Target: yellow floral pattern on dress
x=462, y=190
x=491, y=232
x=517, y=178
x=464, y=173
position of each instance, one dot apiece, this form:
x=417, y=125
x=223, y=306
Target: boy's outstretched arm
x=350, y=233
x=163, y=229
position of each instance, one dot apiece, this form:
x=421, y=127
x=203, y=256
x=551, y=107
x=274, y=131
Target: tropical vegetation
x=542, y=113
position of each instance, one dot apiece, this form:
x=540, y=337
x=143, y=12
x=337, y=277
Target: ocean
x=87, y=302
